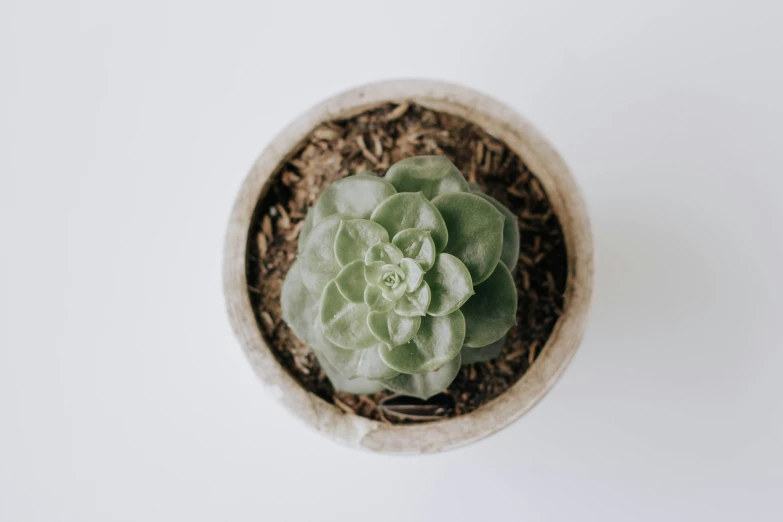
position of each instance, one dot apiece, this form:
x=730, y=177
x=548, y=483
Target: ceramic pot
x=503, y=123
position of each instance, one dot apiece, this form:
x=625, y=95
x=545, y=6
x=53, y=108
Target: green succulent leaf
x=318, y=262
x=413, y=274
x=352, y=363
x=425, y=385
x=386, y=252
x=430, y=175
x=341, y=383
x=391, y=328
x=437, y=341
x=417, y=245
x=355, y=237
x=414, y=303
x=355, y=196
x=510, y=253
x=373, y=298
x=304, y=232
x=450, y=285
x=345, y=323
x=484, y=353
x=341, y=359
x=371, y=365
x=299, y=305
x=475, y=231
x=412, y=210
x=492, y=310
x=351, y=282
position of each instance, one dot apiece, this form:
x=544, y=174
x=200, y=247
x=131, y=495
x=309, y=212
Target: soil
x=374, y=140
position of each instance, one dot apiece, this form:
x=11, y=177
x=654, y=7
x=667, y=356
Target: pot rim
x=565, y=197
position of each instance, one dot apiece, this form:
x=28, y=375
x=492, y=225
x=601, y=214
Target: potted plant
x=371, y=272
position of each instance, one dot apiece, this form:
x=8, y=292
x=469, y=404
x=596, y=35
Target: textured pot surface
x=503, y=123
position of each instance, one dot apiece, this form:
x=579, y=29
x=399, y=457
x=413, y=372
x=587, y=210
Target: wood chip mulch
x=374, y=140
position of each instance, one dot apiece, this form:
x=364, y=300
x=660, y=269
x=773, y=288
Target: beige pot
x=503, y=123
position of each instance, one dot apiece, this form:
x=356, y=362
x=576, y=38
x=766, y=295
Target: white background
x=126, y=129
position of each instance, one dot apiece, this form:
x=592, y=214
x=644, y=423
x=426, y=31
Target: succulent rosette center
x=392, y=278
x=398, y=276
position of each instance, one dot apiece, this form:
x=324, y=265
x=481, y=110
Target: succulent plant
x=401, y=279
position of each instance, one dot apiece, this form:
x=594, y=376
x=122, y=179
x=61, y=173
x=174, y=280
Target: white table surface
x=126, y=129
